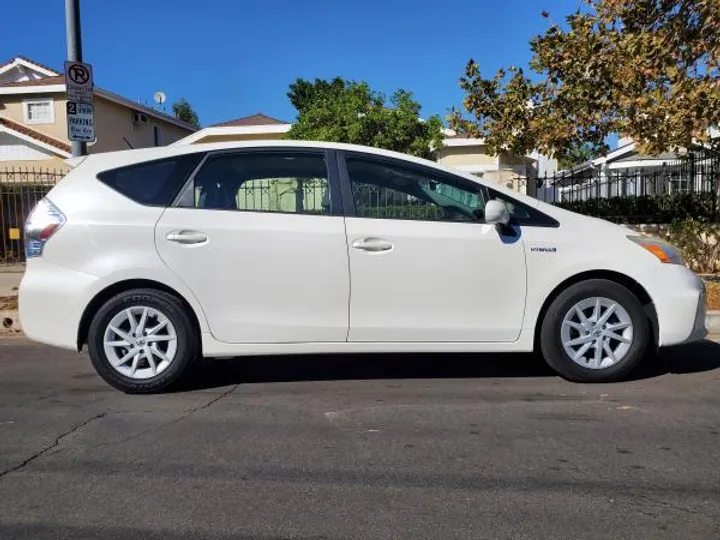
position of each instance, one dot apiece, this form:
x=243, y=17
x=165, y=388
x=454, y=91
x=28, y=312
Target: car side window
x=522, y=214
x=278, y=181
x=515, y=209
x=390, y=191
x=152, y=183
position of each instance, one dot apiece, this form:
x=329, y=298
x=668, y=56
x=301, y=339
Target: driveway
x=385, y=446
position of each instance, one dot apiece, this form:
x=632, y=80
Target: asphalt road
x=403, y=446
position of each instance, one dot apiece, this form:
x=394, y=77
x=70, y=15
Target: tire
x=150, y=373
x=555, y=333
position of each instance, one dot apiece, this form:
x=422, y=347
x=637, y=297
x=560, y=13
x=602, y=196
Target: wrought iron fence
x=686, y=187
x=20, y=190
x=297, y=195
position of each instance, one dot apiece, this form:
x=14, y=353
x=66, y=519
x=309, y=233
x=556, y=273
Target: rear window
x=153, y=183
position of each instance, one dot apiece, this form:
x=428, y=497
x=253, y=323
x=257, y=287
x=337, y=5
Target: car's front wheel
x=142, y=340
x=595, y=331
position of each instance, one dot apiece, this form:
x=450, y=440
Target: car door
x=258, y=236
x=423, y=267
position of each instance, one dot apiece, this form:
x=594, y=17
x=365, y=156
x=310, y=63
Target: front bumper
x=678, y=295
x=699, y=330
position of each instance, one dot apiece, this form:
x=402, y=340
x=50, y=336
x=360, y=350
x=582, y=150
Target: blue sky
x=234, y=58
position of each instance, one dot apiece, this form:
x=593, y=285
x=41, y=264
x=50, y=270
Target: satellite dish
x=159, y=97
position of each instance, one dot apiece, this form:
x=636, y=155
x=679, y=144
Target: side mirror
x=496, y=213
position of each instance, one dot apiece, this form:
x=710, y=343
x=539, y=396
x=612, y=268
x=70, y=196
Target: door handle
x=372, y=244
x=187, y=237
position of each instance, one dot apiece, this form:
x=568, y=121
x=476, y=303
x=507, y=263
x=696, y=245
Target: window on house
x=157, y=136
x=39, y=111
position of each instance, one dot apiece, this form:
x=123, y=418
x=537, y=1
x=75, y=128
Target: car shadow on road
x=696, y=357
x=693, y=358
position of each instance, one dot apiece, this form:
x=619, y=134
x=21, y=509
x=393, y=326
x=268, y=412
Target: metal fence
x=20, y=190
x=685, y=187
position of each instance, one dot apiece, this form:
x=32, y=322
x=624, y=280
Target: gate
x=20, y=190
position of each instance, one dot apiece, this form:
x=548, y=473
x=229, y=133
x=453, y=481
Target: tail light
x=44, y=221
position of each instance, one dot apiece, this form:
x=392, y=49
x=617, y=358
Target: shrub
x=699, y=242
x=649, y=209
x=407, y=211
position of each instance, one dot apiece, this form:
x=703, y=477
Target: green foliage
x=648, y=209
x=303, y=93
x=577, y=155
x=185, y=113
x=699, y=242
x=648, y=69
x=350, y=112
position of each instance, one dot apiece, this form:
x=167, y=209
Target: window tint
x=389, y=191
x=154, y=183
x=522, y=214
x=289, y=182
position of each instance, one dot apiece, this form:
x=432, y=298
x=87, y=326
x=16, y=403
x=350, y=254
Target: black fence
x=20, y=190
x=682, y=188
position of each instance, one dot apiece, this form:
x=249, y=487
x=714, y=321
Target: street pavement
x=384, y=446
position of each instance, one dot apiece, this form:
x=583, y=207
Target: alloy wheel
x=140, y=342
x=597, y=333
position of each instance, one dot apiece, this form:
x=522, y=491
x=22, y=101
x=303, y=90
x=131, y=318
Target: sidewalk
x=10, y=280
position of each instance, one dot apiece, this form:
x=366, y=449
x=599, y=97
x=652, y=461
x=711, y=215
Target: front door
x=258, y=239
x=422, y=267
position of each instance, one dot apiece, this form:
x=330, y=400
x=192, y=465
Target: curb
x=10, y=323
x=712, y=322
x=12, y=269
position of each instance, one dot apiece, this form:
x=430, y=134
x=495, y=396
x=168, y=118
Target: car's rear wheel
x=595, y=331
x=142, y=341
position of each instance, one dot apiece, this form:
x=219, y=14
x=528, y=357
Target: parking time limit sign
x=80, y=109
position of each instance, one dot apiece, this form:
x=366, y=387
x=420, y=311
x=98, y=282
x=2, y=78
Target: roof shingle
x=258, y=119
x=35, y=134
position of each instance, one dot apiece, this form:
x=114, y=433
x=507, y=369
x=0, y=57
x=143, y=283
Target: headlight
x=666, y=253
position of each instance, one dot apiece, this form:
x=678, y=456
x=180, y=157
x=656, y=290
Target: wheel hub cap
x=140, y=342
x=597, y=333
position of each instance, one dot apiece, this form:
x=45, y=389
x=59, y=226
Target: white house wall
x=14, y=149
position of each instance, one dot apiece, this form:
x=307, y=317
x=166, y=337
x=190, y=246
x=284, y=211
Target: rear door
x=259, y=237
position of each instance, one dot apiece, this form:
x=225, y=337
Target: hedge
x=649, y=209
x=429, y=213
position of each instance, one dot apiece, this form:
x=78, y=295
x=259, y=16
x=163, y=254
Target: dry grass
x=713, y=295
x=8, y=302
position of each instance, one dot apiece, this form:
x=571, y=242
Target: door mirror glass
x=496, y=213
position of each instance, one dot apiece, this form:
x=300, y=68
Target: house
x=255, y=127
x=33, y=120
x=627, y=171
x=468, y=155
x=471, y=155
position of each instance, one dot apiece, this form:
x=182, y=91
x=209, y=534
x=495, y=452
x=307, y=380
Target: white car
x=155, y=257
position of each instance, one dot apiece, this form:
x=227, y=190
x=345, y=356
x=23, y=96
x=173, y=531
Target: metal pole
x=74, y=53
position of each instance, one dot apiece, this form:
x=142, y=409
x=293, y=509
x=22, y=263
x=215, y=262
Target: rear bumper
x=52, y=299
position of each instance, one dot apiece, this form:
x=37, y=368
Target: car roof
x=110, y=160
x=146, y=154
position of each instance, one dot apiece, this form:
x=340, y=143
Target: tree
x=184, y=112
x=648, y=69
x=346, y=111
x=577, y=155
